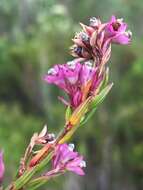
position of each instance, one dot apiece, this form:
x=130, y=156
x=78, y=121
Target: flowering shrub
x=85, y=81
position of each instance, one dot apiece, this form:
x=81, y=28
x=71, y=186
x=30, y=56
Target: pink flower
x=78, y=80
x=2, y=167
x=66, y=159
x=116, y=30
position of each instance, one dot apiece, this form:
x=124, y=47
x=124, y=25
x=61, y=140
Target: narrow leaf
x=100, y=97
x=68, y=113
x=88, y=116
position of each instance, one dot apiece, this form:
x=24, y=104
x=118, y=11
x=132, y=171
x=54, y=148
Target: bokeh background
x=34, y=35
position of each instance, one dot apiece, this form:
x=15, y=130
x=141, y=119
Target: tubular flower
x=66, y=159
x=76, y=79
x=116, y=30
x=2, y=167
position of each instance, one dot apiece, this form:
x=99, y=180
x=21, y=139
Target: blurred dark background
x=35, y=34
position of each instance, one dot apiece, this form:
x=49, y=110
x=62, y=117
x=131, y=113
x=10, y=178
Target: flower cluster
x=94, y=40
x=78, y=80
x=83, y=77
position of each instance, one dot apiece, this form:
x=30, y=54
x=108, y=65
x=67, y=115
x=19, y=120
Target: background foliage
x=35, y=34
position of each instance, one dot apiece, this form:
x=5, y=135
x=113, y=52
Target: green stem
x=35, y=183
x=25, y=178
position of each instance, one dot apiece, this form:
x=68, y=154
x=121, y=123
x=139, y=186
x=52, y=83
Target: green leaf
x=88, y=116
x=100, y=97
x=96, y=101
x=68, y=113
x=106, y=78
x=36, y=183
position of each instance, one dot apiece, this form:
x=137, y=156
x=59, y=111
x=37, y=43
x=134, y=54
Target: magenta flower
x=2, y=167
x=116, y=30
x=76, y=79
x=66, y=159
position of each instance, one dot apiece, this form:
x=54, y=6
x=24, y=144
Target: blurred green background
x=35, y=34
